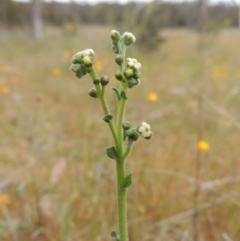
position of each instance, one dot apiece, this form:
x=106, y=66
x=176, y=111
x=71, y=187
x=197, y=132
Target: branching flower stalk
x=123, y=134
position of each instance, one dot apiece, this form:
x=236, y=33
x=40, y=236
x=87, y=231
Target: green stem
x=122, y=204
x=122, y=105
x=129, y=148
x=121, y=170
x=106, y=111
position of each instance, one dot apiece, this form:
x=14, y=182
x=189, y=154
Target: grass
x=53, y=165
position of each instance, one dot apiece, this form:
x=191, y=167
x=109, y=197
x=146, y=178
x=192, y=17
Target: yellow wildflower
x=70, y=27
x=66, y=55
x=5, y=68
x=4, y=200
x=56, y=72
x=5, y=89
x=152, y=96
x=203, y=145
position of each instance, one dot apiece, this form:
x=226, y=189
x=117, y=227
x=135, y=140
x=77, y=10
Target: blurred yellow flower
x=203, y=145
x=227, y=21
x=70, y=27
x=4, y=200
x=15, y=79
x=208, y=62
x=237, y=74
x=5, y=89
x=5, y=68
x=56, y=72
x=18, y=70
x=98, y=66
x=218, y=72
x=66, y=55
x=152, y=96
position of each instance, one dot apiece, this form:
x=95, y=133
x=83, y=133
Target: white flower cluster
x=86, y=52
x=126, y=39
x=81, y=61
x=132, y=72
x=145, y=130
x=134, y=64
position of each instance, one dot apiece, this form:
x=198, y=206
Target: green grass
x=47, y=118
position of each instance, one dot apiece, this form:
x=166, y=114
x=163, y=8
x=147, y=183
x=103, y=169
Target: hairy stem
x=122, y=197
x=106, y=111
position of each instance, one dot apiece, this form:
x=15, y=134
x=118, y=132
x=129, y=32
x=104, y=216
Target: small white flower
x=91, y=51
x=137, y=66
x=133, y=63
x=132, y=60
x=145, y=130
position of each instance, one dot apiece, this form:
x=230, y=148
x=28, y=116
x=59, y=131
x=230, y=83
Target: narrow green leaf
x=115, y=236
x=127, y=182
x=107, y=118
x=112, y=153
x=123, y=95
x=117, y=92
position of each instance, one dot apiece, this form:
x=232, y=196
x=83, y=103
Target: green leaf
x=127, y=182
x=115, y=236
x=123, y=95
x=112, y=153
x=107, y=118
x=117, y=92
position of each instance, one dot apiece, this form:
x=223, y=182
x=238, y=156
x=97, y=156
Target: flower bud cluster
x=132, y=134
x=82, y=62
x=126, y=39
x=132, y=72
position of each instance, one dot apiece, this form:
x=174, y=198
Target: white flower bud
x=128, y=38
x=115, y=36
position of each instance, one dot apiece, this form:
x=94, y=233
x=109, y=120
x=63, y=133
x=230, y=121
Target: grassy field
x=56, y=182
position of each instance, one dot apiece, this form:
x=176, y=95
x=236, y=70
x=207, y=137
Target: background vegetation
x=56, y=182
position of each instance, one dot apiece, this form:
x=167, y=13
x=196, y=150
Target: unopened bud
x=118, y=75
x=131, y=83
x=80, y=73
x=77, y=59
x=107, y=118
x=96, y=81
x=126, y=125
x=137, y=74
x=75, y=67
x=115, y=48
x=104, y=80
x=119, y=59
x=115, y=36
x=134, y=136
x=128, y=38
x=93, y=93
x=138, y=81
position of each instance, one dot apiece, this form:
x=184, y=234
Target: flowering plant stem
x=129, y=76
x=120, y=164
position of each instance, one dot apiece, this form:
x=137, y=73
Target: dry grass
x=52, y=140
